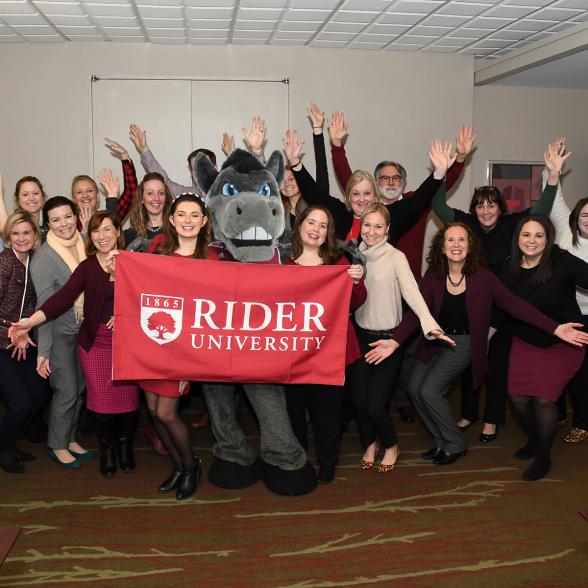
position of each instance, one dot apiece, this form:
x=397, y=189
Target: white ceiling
x=487, y=29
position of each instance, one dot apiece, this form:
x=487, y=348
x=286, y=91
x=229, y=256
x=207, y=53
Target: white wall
x=395, y=102
x=517, y=123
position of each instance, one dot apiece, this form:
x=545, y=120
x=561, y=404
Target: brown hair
x=20, y=216
x=96, y=221
x=489, y=194
x=300, y=204
x=28, y=179
x=359, y=176
x=139, y=217
x=437, y=260
x=328, y=251
x=574, y=217
x=171, y=241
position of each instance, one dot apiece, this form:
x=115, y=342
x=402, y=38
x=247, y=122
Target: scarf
x=63, y=248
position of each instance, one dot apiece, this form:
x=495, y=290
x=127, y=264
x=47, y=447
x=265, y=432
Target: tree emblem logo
x=161, y=317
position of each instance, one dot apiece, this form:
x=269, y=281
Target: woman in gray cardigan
x=57, y=358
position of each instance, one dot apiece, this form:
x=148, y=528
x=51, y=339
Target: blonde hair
x=359, y=176
x=376, y=207
x=20, y=216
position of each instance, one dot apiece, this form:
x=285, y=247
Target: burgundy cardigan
x=358, y=297
x=90, y=278
x=483, y=289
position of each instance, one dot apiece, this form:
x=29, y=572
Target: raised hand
x=337, y=128
x=255, y=137
x=116, y=149
x=382, y=349
x=84, y=217
x=292, y=147
x=139, y=138
x=228, y=144
x=464, y=142
x=569, y=332
x=441, y=157
x=110, y=184
x=317, y=118
x=555, y=157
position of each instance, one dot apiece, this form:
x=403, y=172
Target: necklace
x=458, y=283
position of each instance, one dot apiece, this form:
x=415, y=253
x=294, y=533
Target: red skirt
x=543, y=372
x=169, y=388
x=103, y=394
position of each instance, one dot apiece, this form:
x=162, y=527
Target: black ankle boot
x=107, y=459
x=9, y=463
x=526, y=451
x=538, y=469
x=124, y=453
x=172, y=481
x=189, y=480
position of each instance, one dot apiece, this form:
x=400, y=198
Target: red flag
x=189, y=319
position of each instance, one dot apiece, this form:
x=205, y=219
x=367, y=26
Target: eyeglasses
x=182, y=215
x=395, y=178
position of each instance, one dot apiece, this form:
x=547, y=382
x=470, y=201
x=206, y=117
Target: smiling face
x=84, y=194
x=360, y=195
x=487, y=213
x=456, y=244
x=62, y=221
x=391, y=184
x=532, y=241
x=583, y=221
x=289, y=187
x=374, y=229
x=30, y=197
x=314, y=229
x=188, y=219
x=105, y=236
x=153, y=196
x=22, y=238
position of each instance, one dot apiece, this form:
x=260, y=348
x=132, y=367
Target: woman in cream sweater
x=388, y=281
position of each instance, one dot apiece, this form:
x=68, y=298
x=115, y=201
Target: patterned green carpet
x=474, y=523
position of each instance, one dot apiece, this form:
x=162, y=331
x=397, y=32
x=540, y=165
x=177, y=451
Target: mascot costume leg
x=248, y=217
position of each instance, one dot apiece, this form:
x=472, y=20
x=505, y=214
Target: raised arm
x=123, y=204
x=255, y=137
x=463, y=147
x=338, y=129
x=554, y=157
x=309, y=189
x=317, y=118
x=405, y=213
x=559, y=215
x=139, y=138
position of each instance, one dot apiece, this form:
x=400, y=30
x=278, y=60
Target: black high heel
x=189, y=480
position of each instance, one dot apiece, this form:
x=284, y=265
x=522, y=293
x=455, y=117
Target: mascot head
x=244, y=203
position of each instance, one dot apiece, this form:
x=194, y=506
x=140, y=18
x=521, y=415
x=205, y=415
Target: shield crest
x=161, y=317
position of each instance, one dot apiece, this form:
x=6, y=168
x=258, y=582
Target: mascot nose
x=274, y=212
x=239, y=210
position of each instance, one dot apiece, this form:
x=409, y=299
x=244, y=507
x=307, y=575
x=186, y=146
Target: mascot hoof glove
x=233, y=475
x=289, y=482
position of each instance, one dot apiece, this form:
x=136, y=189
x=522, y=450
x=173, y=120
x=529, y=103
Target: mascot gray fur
x=247, y=216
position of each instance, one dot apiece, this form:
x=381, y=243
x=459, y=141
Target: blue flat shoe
x=73, y=465
x=89, y=454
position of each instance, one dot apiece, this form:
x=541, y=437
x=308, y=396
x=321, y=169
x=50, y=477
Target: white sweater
x=560, y=214
x=388, y=281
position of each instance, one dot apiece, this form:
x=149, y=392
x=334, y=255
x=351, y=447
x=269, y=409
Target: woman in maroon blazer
x=114, y=404
x=460, y=293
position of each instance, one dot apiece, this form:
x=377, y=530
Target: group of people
x=502, y=299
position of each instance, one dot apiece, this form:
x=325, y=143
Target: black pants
x=578, y=390
x=23, y=392
x=325, y=407
x=371, y=386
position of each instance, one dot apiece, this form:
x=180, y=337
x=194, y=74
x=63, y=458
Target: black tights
x=538, y=417
x=171, y=429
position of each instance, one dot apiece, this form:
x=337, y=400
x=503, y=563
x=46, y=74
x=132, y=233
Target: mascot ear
x=205, y=172
x=275, y=165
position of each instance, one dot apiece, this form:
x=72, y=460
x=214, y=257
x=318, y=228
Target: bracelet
x=296, y=164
